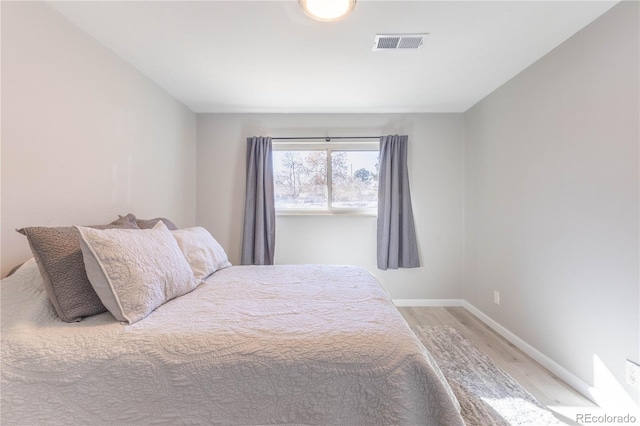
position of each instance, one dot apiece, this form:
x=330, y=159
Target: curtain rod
x=325, y=138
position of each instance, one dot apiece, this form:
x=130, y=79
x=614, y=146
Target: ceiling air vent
x=398, y=41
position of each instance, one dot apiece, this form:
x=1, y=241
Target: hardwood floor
x=564, y=401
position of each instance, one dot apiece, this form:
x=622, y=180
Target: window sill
x=365, y=213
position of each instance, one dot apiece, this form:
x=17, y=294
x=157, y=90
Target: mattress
x=302, y=344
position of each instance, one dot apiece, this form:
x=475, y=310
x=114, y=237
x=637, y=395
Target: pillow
x=14, y=269
x=202, y=251
x=128, y=221
x=135, y=271
x=59, y=258
x=150, y=223
x=145, y=223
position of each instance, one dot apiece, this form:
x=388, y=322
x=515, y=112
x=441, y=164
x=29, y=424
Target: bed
x=288, y=344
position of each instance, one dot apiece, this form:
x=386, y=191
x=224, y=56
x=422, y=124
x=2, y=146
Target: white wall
x=85, y=136
x=436, y=179
x=552, y=203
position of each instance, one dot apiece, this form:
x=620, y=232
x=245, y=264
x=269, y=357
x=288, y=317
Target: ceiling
x=268, y=56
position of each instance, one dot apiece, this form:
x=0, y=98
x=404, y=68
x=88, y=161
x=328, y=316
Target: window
x=326, y=178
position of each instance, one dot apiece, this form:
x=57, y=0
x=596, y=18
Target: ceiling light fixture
x=328, y=10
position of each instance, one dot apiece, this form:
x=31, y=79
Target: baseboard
x=541, y=358
x=428, y=302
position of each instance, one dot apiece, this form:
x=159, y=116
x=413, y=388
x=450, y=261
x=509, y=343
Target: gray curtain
x=259, y=235
x=397, y=246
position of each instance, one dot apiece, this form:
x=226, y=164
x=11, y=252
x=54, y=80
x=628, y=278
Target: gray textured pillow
x=127, y=222
x=150, y=223
x=57, y=252
x=134, y=272
x=144, y=223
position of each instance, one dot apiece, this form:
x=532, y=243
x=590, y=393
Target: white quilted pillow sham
x=135, y=271
x=204, y=254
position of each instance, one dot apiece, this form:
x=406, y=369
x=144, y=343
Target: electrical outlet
x=496, y=297
x=633, y=373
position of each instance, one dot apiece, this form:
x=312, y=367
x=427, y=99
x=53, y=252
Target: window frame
x=328, y=147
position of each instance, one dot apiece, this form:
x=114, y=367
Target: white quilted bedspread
x=251, y=345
